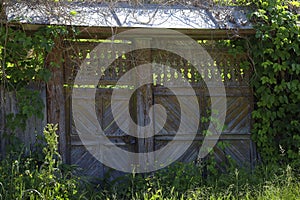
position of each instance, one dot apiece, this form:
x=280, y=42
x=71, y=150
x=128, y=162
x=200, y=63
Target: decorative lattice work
x=225, y=65
x=80, y=55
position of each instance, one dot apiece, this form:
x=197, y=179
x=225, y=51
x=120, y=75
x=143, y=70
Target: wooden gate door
x=239, y=102
x=235, y=141
x=139, y=103
x=74, y=56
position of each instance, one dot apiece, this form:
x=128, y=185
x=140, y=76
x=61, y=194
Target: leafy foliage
x=25, y=177
x=23, y=56
x=22, y=59
x=276, y=56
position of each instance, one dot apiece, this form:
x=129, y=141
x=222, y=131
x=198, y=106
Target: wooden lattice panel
x=224, y=67
x=95, y=60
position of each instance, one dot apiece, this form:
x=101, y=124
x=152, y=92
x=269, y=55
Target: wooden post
x=2, y=121
x=56, y=97
x=3, y=19
x=144, y=96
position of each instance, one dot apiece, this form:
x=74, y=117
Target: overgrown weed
x=30, y=177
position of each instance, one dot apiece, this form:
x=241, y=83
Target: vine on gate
x=22, y=59
x=276, y=57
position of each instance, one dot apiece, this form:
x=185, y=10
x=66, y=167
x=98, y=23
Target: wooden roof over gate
x=98, y=20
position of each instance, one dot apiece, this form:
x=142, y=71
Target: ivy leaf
x=73, y=12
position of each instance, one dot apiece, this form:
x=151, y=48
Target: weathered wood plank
x=56, y=97
x=144, y=97
x=34, y=125
x=223, y=136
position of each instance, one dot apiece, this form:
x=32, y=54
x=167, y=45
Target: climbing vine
x=275, y=54
x=22, y=58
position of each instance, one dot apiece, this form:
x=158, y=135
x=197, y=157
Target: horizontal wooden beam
x=225, y=136
x=106, y=32
x=231, y=136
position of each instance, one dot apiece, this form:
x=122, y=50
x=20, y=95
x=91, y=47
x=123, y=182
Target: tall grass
x=24, y=177
x=30, y=177
x=185, y=181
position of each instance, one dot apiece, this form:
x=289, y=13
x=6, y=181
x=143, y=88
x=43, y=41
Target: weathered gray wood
x=2, y=120
x=239, y=105
x=144, y=96
x=56, y=97
x=79, y=154
x=34, y=125
x=238, y=113
x=224, y=136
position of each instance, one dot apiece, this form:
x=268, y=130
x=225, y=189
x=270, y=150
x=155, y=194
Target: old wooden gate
x=236, y=80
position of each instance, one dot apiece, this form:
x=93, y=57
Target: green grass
x=278, y=183
x=43, y=176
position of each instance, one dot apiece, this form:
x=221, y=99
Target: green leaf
x=73, y=12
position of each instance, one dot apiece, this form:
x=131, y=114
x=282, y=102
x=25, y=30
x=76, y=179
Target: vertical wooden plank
x=68, y=70
x=34, y=125
x=2, y=120
x=254, y=155
x=68, y=123
x=144, y=96
x=3, y=19
x=56, y=96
